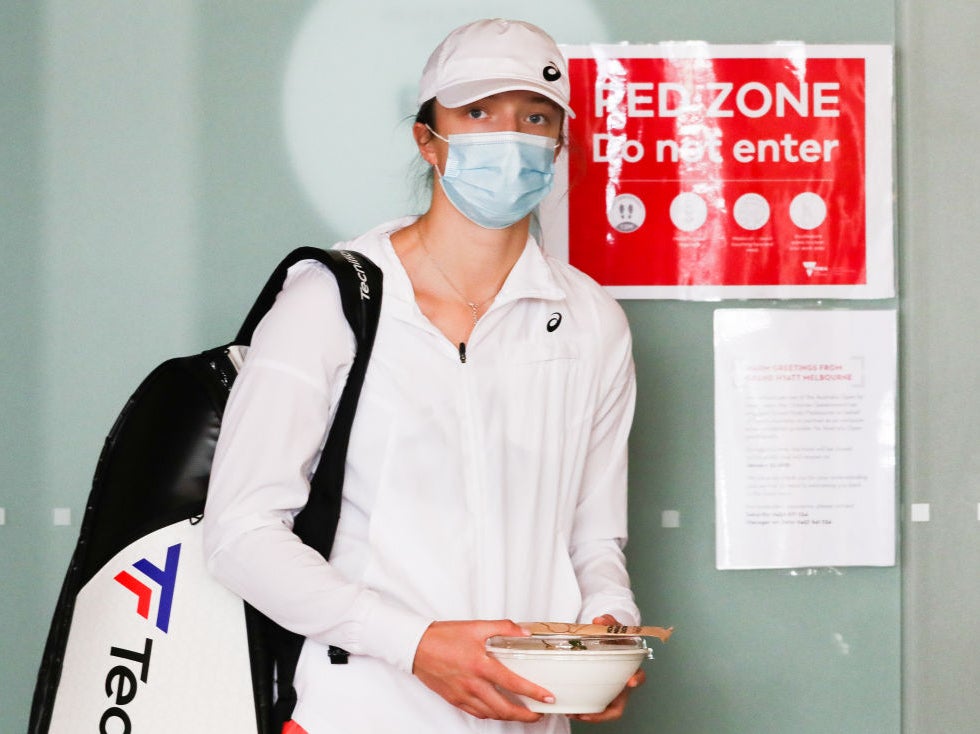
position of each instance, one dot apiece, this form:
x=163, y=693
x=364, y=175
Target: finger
x=505, y=678
x=606, y=619
x=494, y=704
x=637, y=679
x=612, y=712
x=617, y=706
x=506, y=628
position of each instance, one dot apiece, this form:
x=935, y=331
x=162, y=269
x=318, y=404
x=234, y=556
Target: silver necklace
x=474, y=306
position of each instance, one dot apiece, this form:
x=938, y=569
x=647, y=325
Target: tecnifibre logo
x=165, y=578
x=359, y=269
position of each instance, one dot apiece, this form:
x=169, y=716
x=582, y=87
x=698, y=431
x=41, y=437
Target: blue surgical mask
x=496, y=179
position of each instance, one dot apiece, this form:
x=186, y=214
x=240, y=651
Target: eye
x=476, y=113
x=537, y=118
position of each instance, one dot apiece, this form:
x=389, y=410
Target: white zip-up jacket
x=494, y=488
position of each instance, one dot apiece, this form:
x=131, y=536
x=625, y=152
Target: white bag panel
x=197, y=674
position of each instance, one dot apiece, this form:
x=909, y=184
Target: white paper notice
x=804, y=438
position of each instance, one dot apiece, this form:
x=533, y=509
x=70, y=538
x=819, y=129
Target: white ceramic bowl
x=583, y=673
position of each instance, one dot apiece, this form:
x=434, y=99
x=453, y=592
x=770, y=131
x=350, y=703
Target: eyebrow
x=541, y=99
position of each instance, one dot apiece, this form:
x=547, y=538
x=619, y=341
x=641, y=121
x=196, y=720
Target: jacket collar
x=531, y=276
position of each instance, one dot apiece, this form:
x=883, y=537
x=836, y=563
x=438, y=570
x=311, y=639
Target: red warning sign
x=735, y=171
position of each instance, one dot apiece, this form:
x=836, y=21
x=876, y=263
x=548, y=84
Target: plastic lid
x=551, y=644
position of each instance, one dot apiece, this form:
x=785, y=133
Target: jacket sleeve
x=600, y=529
x=271, y=436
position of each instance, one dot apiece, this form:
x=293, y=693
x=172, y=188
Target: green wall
x=939, y=208
x=151, y=176
x=23, y=561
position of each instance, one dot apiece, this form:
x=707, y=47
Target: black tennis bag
x=143, y=639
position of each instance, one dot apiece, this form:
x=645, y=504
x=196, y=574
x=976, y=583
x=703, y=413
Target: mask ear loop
x=445, y=140
x=435, y=168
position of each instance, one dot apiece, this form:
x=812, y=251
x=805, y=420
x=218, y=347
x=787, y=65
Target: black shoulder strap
x=359, y=281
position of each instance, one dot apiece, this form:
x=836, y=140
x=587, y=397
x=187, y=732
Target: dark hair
x=427, y=113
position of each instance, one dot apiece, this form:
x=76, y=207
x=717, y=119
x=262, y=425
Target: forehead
x=517, y=97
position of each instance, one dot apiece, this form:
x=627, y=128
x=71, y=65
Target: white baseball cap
x=492, y=56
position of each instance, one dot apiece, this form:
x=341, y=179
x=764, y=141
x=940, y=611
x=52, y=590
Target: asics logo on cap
x=551, y=73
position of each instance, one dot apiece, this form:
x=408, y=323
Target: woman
x=486, y=474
